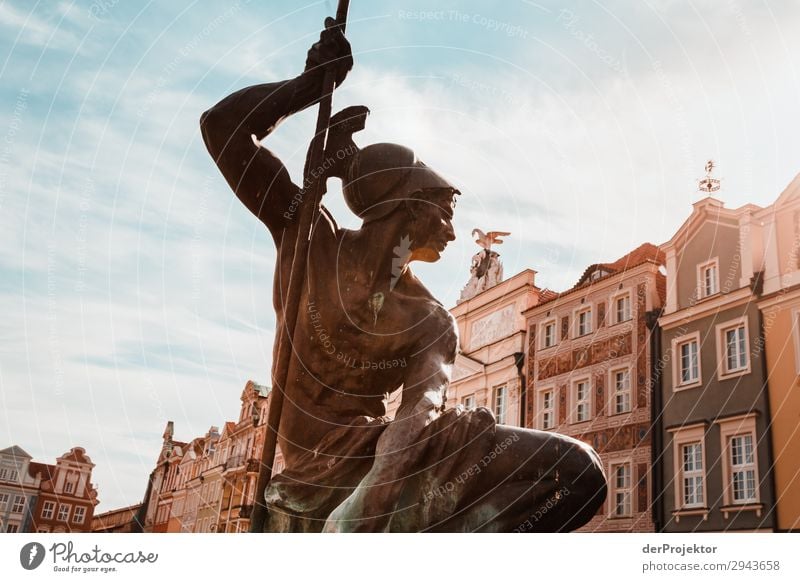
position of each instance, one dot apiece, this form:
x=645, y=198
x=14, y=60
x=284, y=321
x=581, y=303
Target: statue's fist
x=330, y=52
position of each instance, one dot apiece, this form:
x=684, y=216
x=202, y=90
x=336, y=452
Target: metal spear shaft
x=296, y=279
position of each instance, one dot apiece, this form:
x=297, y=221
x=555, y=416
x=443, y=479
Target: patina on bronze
x=365, y=327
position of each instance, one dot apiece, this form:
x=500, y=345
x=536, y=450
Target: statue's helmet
x=382, y=175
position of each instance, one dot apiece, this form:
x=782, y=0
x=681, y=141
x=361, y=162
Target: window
x=621, y=486
x=47, y=509
x=743, y=470
x=740, y=460
x=8, y=474
x=686, y=371
x=549, y=334
x=622, y=308
x=693, y=475
x=468, y=402
x=582, y=395
x=689, y=483
x=12, y=528
x=585, y=322
x=63, y=512
x=708, y=278
x=732, y=348
x=19, y=504
x=735, y=353
x=548, y=408
x=79, y=515
x=500, y=404
x=688, y=365
x=621, y=383
x=4, y=497
x=69, y=487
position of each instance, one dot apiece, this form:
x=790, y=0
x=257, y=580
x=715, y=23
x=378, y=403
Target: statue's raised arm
x=257, y=177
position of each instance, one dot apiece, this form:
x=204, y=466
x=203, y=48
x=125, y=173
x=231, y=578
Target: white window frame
x=624, y=294
x=677, y=375
x=12, y=528
x=69, y=487
x=4, y=499
x=730, y=428
x=684, y=436
x=468, y=402
x=48, y=509
x=18, y=505
x=577, y=320
x=9, y=474
x=576, y=402
x=62, y=507
x=626, y=489
x=543, y=333
x=702, y=290
x=541, y=411
x=79, y=515
x=722, y=348
x=612, y=392
x=500, y=401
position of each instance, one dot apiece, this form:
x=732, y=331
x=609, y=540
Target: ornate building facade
x=589, y=352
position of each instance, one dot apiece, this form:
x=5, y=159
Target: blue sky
x=135, y=289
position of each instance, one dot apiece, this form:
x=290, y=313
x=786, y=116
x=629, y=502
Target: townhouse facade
x=18, y=490
x=241, y=444
x=780, y=315
x=208, y=485
x=715, y=417
x=44, y=498
x=588, y=360
x=174, y=489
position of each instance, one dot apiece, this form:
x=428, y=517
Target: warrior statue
x=368, y=327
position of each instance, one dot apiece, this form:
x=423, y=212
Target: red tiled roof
x=47, y=471
x=547, y=295
x=644, y=253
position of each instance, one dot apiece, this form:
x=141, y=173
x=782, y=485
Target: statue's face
x=432, y=228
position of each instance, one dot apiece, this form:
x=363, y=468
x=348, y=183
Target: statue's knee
x=584, y=475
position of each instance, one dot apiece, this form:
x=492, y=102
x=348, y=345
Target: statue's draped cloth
x=455, y=448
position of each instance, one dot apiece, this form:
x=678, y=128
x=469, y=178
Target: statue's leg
x=531, y=481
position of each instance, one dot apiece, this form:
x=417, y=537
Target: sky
x=135, y=288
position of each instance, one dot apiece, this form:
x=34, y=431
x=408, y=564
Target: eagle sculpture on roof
x=486, y=240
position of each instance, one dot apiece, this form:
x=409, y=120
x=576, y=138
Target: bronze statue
x=367, y=327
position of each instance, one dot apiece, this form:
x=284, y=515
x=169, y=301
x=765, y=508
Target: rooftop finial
x=486, y=269
x=709, y=184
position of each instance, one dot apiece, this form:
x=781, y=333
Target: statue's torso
x=354, y=344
